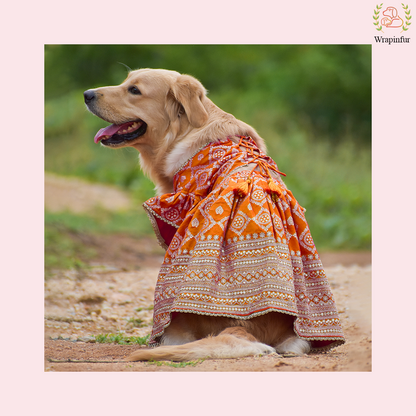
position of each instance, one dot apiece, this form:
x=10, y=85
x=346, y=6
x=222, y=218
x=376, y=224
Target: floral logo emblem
x=390, y=18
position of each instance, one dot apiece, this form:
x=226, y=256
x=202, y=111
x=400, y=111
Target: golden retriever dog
x=172, y=118
x=167, y=117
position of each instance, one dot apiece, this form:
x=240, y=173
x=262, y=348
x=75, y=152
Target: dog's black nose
x=89, y=96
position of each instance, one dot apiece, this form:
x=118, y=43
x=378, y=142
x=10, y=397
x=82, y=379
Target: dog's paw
x=263, y=349
x=293, y=346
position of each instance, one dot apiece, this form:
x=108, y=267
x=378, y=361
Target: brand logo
x=392, y=21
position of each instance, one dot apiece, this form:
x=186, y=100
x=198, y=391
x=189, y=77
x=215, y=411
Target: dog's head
x=146, y=107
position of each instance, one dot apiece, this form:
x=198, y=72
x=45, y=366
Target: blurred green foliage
x=329, y=86
x=311, y=104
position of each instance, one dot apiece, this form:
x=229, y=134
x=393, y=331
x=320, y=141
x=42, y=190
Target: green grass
x=63, y=251
x=132, y=222
x=148, y=308
x=67, y=234
x=136, y=322
x=121, y=339
x=176, y=365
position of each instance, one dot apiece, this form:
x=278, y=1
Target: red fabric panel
x=166, y=230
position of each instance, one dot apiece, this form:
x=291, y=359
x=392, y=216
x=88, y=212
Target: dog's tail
x=220, y=346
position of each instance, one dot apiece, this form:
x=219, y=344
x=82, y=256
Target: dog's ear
x=188, y=94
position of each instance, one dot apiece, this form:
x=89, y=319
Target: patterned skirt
x=239, y=254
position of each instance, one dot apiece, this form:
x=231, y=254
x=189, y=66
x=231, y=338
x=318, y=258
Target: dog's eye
x=134, y=90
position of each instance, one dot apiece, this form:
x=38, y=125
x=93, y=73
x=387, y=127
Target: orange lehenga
x=238, y=245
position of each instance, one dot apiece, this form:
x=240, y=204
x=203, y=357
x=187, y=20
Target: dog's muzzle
x=115, y=135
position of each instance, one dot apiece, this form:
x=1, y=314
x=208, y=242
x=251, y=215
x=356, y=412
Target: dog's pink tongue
x=107, y=131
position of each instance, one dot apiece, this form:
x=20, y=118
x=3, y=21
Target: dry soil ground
x=115, y=296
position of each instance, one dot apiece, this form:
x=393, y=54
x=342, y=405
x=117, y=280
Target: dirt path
x=109, y=300
x=78, y=196
x=116, y=296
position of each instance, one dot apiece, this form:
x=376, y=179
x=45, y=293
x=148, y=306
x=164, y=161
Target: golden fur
x=180, y=119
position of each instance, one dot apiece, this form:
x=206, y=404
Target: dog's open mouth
x=119, y=133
